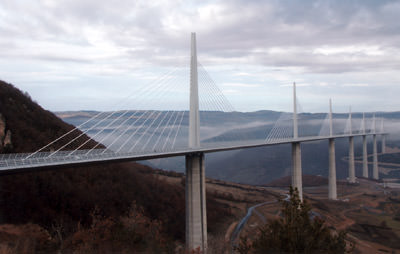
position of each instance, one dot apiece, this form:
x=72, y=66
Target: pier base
x=296, y=169
x=196, y=218
x=332, y=192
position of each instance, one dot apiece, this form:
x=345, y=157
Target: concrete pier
x=375, y=169
x=332, y=192
x=297, y=181
x=196, y=217
x=383, y=150
x=365, y=157
x=195, y=189
x=352, y=172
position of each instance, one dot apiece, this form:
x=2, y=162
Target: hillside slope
x=119, y=208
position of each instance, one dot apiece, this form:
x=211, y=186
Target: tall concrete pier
x=296, y=151
x=332, y=192
x=365, y=157
x=375, y=170
x=195, y=189
x=296, y=168
x=352, y=172
x=365, y=151
x=196, y=218
x=383, y=150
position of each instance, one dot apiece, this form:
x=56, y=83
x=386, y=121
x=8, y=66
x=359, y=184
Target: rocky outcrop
x=5, y=136
x=2, y=129
x=7, y=140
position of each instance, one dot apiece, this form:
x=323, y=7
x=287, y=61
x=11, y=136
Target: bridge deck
x=16, y=163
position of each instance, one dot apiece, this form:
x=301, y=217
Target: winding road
x=244, y=220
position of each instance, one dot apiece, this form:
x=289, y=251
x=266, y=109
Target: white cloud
x=263, y=45
x=355, y=85
x=350, y=49
x=241, y=85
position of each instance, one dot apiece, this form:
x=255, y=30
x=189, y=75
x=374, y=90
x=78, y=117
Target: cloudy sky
x=74, y=54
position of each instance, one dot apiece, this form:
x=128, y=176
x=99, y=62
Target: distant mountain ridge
x=262, y=165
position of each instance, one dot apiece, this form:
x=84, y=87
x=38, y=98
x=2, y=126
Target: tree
x=296, y=232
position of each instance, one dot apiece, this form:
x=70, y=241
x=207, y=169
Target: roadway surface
x=16, y=163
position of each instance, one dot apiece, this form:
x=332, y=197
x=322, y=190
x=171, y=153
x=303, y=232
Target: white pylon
x=195, y=188
x=373, y=123
x=330, y=118
x=383, y=149
x=295, y=124
x=350, y=122
x=194, y=117
x=363, y=123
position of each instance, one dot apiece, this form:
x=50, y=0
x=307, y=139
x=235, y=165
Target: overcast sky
x=75, y=54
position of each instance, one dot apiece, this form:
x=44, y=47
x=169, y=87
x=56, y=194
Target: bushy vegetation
x=296, y=232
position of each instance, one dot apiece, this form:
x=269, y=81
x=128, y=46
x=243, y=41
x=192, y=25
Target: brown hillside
x=119, y=208
x=30, y=125
x=308, y=181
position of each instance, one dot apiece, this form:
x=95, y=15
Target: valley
x=104, y=207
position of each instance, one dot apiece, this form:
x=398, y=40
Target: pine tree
x=296, y=232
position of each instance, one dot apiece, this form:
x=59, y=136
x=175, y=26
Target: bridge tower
x=365, y=152
x=296, y=151
x=352, y=172
x=195, y=189
x=332, y=193
x=375, y=170
x=383, y=149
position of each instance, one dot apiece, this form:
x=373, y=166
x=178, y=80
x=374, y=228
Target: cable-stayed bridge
x=141, y=134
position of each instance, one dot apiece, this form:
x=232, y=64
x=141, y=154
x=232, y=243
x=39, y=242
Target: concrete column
x=352, y=172
x=296, y=169
x=332, y=193
x=296, y=151
x=330, y=118
x=365, y=157
x=375, y=171
x=195, y=189
x=196, y=218
x=383, y=144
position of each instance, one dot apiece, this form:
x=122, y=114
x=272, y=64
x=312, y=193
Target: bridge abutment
x=297, y=181
x=195, y=189
x=332, y=192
